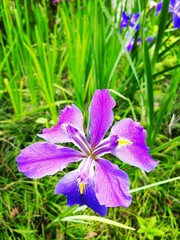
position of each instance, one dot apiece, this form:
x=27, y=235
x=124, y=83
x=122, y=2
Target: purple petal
x=71, y=115
x=111, y=184
x=173, y=3
x=136, y=156
x=149, y=39
x=133, y=21
x=176, y=20
x=101, y=115
x=139, y=41
x=105, y=146
x=158, y=8
x=69, y=187
x=125, y=21
x=128, y=129
x=130, y=45
x=42, y=158
x=135, y=152
x=79, y=140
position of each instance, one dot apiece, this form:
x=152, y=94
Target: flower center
x=86, y=173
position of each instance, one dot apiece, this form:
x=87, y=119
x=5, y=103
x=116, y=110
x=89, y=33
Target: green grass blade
x=154, y=185
x=99, y=219
x=161, y=30
x=166, y=145
x=149, y=92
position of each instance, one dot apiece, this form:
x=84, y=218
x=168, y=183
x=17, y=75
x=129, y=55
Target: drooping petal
x=132, y=147
x=136, y=156
x=111, y=184
x=69, y=186
x=176, y=20
x=101, y=115
x=158, y=8
x=42, y=158
x=72, y=116
x=128, y=129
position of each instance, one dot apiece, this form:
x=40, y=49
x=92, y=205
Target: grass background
x=52, y=55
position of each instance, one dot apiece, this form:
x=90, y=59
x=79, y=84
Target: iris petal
x=124, y=21
x=111, y=184
x=101, y=115
x=135, y=154
x=130, y=45
x=158, y=8
x=176, y=20
x=42, y=158
x=72, y=116
x=79, y=139
x=69, y=187
x=128, y=129
x=105, y=146
x=173, y=2
x=134, y=20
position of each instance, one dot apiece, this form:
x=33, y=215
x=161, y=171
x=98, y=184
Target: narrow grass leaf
x=154, y=184
x=149, y=91
x=99, y=219
x=166, y=145
x=161, y=30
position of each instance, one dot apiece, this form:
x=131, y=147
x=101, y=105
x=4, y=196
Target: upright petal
x=173, y=3
x=69, y=186
x=72, y=116
x=79, y=140
x=176, y=20
x=42, y=158
x=132, y=147
x=158, y=8
x=111, y=185
x=134, y=21
x=101, y=115
x=124, y=21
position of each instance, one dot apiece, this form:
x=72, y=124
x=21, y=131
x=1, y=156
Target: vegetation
x=52, y=55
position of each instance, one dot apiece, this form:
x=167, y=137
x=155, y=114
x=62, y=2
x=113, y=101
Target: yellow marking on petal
x=82, y=187
x=123, y=142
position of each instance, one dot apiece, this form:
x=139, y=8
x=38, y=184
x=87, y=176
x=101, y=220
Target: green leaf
x=95, y=218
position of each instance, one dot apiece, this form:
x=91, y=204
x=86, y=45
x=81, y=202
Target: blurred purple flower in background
x=132, y=21
x=131, y=43
x=97, y=182
x=174, y=8
x=129, y=20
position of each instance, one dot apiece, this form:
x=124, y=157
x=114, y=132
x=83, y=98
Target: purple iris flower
x=174, y=8
x=131, y=43
x=97, y=182
x=129, y=20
